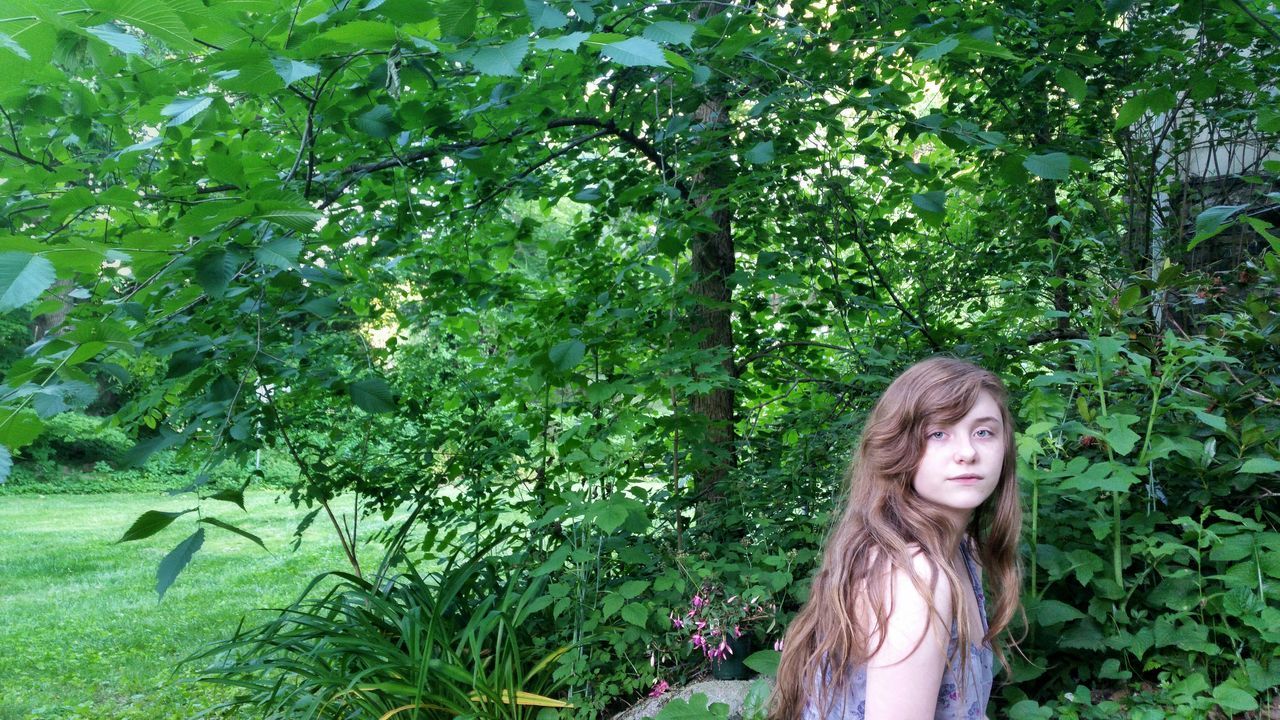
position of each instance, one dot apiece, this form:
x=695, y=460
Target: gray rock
x=730, y=692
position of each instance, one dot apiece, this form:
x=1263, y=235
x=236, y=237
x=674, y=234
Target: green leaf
x=373, y=395
x=695, y=708
x=12, y=45
x=545, y=16
x=153, y=17
x=568, y=43
x=632, y=588
x=183, y=109
x=231, y=495
x=1131, y=111
x=23, y=277
x=610, y=605
x=610, y=516
x=292, y=71
x=215, y=271
x=1260, y=466
x=1213, y=221
x=671, y=33
x=635, y=52
x=377, y=122
x=116, y=38
x=150, y=523
x=1050, y=166
x=934, y=201
x=566, y=355
x=1053, y=612
x=280, y=252
x=1217, y=422
x=176, y=560
x=232, y=528
x=287, y=215
x=6, y=464
x=764, y=662
x=458, y=18
x=145, y=448
x=760, y=153
x=1234, y=699
x=933, y=52
x=501, y=61
x=367, y=34
x=635, y=613
x=1072, y=83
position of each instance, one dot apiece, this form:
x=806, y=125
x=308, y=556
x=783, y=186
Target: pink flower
x=676, y=622
x=658, y=688
x=724, y=648
x=697, y=601
x=736, y=631
x=700, y=624
x=777, y=644
x=698, y=641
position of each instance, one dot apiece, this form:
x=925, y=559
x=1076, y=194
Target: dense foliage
x=623, y=278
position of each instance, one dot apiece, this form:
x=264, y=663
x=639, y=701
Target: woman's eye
x=936, y=434
x=988, y=433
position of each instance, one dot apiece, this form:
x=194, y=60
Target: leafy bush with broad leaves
x=1153, y=556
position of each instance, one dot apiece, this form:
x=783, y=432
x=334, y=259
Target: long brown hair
x=882, y=519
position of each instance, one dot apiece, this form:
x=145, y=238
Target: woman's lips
x=967, y=479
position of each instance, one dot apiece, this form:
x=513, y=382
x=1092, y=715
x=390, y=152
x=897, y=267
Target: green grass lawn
x=81, y=633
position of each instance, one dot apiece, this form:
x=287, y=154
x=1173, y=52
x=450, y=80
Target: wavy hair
x=882, y=523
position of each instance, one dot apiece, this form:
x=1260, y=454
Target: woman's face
x=961, y=463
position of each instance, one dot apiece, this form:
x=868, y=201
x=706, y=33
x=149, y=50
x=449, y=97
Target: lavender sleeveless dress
x=958, y=698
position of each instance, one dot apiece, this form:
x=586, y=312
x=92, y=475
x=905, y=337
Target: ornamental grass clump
x=444, y=645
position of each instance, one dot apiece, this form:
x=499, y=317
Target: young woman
x=896, y=626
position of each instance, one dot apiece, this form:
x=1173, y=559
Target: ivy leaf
x=500, y=61
x=183, y=109
x=232, y=528
x=145, y=448
x=635, y=52
x=566, y=355
x=176, y=560
x=936, y=51
x=23, y=277
x=545, y=16
x=632, y=588
x=292, y=71
x=568, y=42
x=372, y=395
x=671, y=33
x=151, y=522
x=761, y=153
x=1050, y=166
x=116, y=38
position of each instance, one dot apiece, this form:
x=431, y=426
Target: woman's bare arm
x=904, y=675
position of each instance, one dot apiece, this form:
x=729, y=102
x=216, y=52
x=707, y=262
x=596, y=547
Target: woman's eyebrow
x=987, y=419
